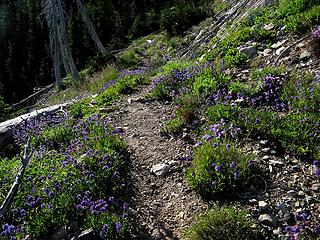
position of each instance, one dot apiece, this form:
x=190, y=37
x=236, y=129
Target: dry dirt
x=162, y=205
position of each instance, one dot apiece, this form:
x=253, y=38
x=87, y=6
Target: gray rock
x=283, y=208
x=263, y=205
x=280, y=50
x=263, y=142
x=278, y=44
x=292, y=193
x=304, y=55
x=267, y=52
x=268, y=27
x=160, y=169
x=250, y=51
x=268, y=220
x=59, y=234
x=315, y=187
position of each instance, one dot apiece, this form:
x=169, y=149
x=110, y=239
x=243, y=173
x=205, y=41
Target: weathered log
x=7, y=127
x=18, y=179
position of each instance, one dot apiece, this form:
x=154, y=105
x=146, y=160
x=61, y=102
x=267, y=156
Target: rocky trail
x=162, y=202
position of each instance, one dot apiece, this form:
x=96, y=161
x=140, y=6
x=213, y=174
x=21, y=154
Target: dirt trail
x=162, y=205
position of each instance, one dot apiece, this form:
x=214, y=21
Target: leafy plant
x=218, y=167
x=223, y=223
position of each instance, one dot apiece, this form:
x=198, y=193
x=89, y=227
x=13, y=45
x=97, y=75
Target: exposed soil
x=162, y=205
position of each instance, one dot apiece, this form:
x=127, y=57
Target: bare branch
x=18, y=179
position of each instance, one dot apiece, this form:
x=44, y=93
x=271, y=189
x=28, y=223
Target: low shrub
x=223, y=223
x=218, y=167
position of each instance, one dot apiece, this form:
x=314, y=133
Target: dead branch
x=18, y=179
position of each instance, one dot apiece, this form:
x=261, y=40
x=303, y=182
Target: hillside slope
x=210, y=135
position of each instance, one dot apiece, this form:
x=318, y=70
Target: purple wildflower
x=118, y=227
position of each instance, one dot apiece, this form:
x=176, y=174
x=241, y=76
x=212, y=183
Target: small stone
x=292, y=193
x=181, y=215
x=268, y=219
x=310, y=199
x=283, y=208
x=277, y=231
x=160, y=169
x=59, y=234
x=278, y=44
x=274, y=162
x=265, y=150
x=250, y=51
x=263, y=142
x=280, y=50
x=263, y=205
x=305, y=55
x=267, y=52
x=268, y=27
x=315, y=187
x=266, y=157
x=301, y=193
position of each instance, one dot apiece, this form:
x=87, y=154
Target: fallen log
x=18, y=179
x=7, y=127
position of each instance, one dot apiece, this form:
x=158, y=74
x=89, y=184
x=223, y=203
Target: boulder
x=160, y=169
x=250, y=51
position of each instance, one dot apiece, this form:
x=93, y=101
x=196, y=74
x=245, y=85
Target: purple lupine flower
x=218, y=168
x=207, y=137
x=232, y=165
x=104, y=231
x=316, y=33
x=118, y=227
x=317, y=229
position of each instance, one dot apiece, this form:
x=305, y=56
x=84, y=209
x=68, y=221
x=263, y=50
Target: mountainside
x=211, y=134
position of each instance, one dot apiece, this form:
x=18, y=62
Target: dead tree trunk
x=85, y=17
x=56, y=18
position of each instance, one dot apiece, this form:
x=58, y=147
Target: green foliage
x=80, y=109
x=176, y=19
x=296, y=15
x=128, y=59
x=177, y=65
x=234, y=58
x=5, y=110
x=99, y=61
x=124, y=85
x=189, y=107
x=74, y=160
x=302, y=93
x=205, y=83
x=222, y=111
x=218, y=167
x=223, y=223
x=298, y=133
x=175, y=125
